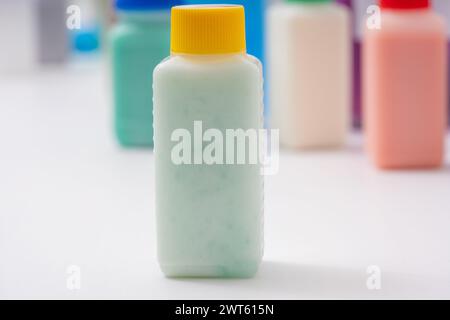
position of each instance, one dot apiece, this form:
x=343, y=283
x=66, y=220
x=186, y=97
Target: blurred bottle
x=309, y=56
x=359, y=15
x=32, y=32
x=405, y=86
x=53, y=37
x=443, y=7
x=139, y=41
x=18, y=51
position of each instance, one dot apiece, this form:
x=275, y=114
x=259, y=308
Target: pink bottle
x=405, y=86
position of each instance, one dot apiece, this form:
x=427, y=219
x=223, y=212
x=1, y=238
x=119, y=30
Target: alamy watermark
x=374, y=280
x=374, y=17
x=232, y=147
x=73, y=21
x=73, y=280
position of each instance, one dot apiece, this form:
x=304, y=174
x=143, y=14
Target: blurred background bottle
x=19, y=35
x=33, y=32
x=139, y=41
x=53, y=38
x=405, y=86
x=309, y=57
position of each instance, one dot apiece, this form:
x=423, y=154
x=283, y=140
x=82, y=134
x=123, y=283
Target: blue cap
x=146, y=4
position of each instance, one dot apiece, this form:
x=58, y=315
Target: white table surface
x=70, y=196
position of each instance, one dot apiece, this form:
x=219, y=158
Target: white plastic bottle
x=19, y=36
x=209, y=209
x=33, y=32
x=309, y=57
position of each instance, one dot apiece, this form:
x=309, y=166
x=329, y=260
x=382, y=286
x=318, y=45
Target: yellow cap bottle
x=210, y=82
x=208, y=29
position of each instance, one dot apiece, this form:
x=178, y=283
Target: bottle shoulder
x=226, y=64
x=298, y=11
x=413, y=23
x=130, y=26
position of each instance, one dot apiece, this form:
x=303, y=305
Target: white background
x=70, y=196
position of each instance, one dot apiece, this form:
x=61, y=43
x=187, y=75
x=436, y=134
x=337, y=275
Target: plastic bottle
x=19, y=36
x=40, y=35
x=139, y=41
x=53, y=34
x=209, y=214
x=309, y=57
x=405, y=86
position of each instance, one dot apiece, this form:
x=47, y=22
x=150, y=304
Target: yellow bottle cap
x=208, y=29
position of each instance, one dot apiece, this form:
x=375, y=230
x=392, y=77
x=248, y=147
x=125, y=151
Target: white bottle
x=18, y=34
x=33, y=32
x=309, y=57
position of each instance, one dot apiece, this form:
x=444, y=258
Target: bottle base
x=395, y=166
x=313, y=146
x=134, y=138
x=210, y=271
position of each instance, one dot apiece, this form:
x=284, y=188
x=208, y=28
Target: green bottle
x=139, y=41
